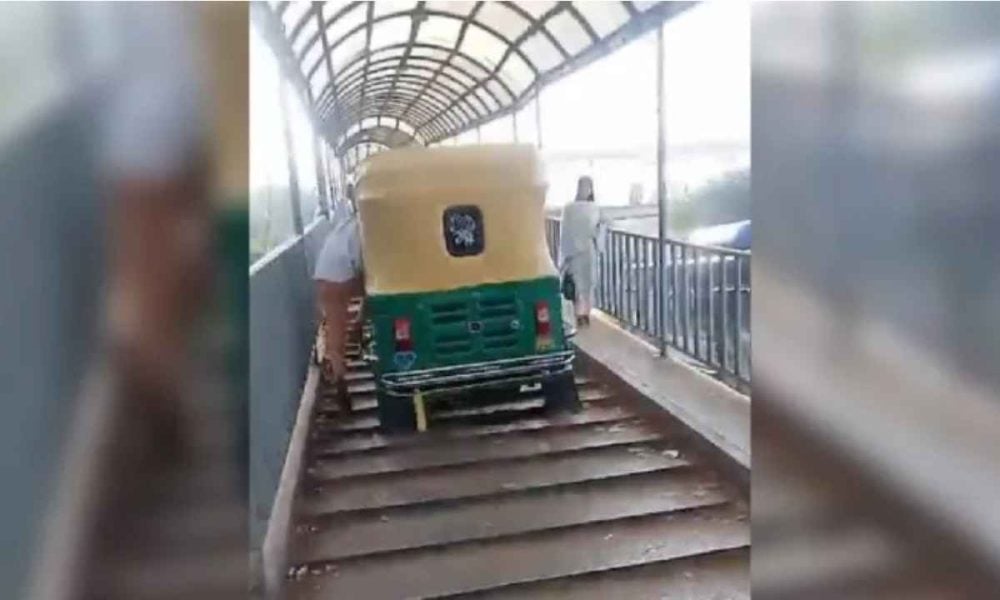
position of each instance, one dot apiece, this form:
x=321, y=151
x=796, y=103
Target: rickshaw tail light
x=543, y=324
x=404, y=343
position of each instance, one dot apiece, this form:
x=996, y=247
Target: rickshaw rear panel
x=461, y=291
x=467, y=325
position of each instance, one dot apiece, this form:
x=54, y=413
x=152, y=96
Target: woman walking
x=581, y=241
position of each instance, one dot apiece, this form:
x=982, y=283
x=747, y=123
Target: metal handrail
x=705, y=291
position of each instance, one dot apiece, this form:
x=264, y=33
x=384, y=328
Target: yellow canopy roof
x=479, y=167
x=402, y=196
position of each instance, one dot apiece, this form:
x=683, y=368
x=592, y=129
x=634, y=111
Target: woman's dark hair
x=579, y=185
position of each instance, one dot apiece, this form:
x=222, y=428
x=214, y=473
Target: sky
x=611, y=104
x=609, y=107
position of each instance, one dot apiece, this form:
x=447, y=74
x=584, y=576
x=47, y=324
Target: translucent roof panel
x=505, y=20
x=390, y=31
x=314, y=56
x=339, y=27
x=461, y=9
x=319, y=81
x=541, y=52
x=305, y=33
x=294, y=12
x=386, y=7
x=568, y=30
x=516, y=74
x=471, y=66
x=349, y=48
x=439, y=31
x=645, y=5
x=435, y=70
x=485, y=46
x=537, y=9
x=604, y=17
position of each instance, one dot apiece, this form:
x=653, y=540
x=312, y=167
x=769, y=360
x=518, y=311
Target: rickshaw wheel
x=396, y=414
x=560, y=393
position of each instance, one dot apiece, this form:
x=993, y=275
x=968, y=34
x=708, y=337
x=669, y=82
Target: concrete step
x=366, y=441
x=484, y=518
x=472, y=567
x=523, y=444
x=472, y=480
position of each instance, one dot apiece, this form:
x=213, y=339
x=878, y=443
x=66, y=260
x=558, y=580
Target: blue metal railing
x=704, y=291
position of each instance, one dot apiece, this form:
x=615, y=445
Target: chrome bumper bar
x=449, y=379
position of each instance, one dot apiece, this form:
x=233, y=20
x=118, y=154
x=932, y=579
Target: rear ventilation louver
x=497, y=314
x=449, y=321
x=457, y=326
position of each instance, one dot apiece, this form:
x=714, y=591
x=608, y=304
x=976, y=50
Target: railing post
x=661, y=188
x=538, y=115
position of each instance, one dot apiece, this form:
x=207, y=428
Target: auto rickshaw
x=461, y=293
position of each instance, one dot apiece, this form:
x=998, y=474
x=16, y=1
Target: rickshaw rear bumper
x=462, y=377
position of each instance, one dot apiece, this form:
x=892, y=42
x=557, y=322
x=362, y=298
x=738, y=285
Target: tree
x=725, y=199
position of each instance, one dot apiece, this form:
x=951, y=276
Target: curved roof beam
x=370, y=111
x=539, y=25
x=424, y=64
x=395, y=104
x=410, y=82
x=416, y=60
x=371, y=22
x=342, y=72
x=425, y=110
x=416, y=73
x=327, y=100
x=380, y=134
x=370, y=140
x=535, y=26
x=400, y=96
x=444, y=89
x=384, y=122
x=444, y=98
x=434, y=100
x=416, y=19
x=325, y=97
x=462, y=30
x=315, y=8
x=473, y=60
x=584, y=23
x=638, y=24
x=417, y=70
x=385, y=84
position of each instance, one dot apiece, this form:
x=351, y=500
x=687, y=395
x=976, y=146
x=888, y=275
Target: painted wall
x=51, y=254
x=282, y=328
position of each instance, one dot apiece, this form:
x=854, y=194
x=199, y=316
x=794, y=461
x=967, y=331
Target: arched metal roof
x=431, y=70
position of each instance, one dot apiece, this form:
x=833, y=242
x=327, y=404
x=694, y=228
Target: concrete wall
x=51, y=256
x=282, y=328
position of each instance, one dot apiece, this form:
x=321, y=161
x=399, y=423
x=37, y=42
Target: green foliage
x=724, y=199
